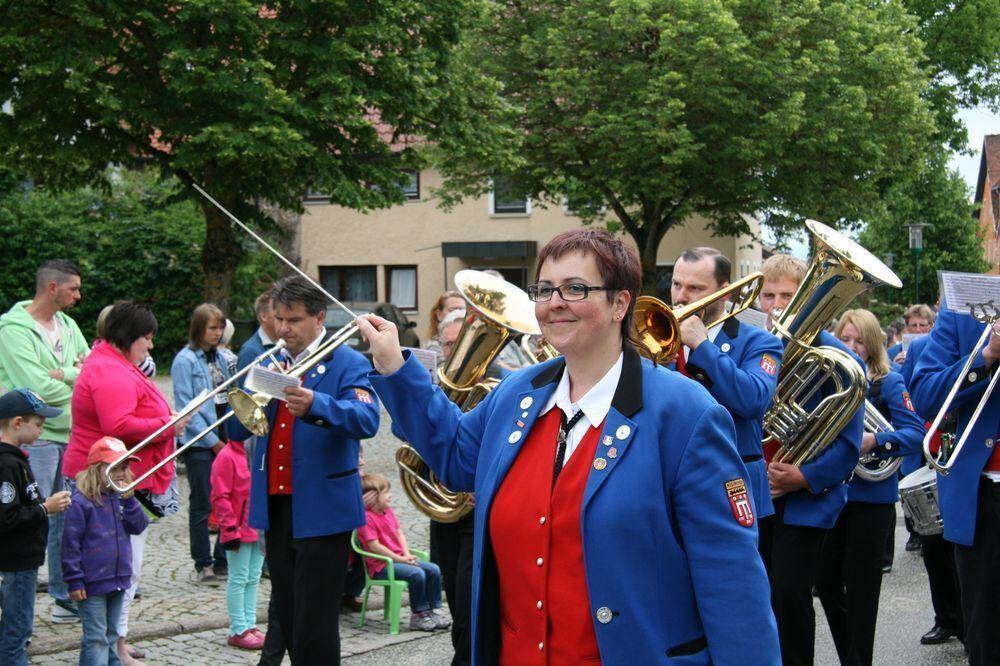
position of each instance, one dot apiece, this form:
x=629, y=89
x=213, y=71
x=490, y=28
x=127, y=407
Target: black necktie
x=564, y=429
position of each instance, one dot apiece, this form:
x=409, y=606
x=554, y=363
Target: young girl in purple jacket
x=230, y=482
x=96, y=551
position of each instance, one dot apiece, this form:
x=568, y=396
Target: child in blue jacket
x=96, y=551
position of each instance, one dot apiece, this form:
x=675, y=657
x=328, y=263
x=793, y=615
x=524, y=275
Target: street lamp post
x=916, y=249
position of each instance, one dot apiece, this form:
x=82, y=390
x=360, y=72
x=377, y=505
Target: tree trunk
x=221, y=254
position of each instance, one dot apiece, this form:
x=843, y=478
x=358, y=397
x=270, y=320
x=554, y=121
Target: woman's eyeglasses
x=573, y=291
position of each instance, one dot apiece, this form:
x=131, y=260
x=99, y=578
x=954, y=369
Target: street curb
x=147, y=632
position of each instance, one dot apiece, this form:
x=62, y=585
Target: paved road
x=179, y=622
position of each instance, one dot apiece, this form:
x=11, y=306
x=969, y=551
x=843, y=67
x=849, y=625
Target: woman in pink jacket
x=113, y=398
x=230, y=481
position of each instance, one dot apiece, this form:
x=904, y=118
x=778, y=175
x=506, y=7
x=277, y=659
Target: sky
x=979, y=122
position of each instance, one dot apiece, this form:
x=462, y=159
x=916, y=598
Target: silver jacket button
x=604, y=615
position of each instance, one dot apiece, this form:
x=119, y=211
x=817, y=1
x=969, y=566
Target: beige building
x=410, y=253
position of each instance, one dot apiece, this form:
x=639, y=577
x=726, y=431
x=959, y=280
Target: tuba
x=840, y=270
x=498, y=312
x=870, y=467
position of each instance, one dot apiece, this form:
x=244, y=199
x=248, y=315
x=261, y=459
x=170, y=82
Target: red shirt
x=279, y=452
x=535, y=530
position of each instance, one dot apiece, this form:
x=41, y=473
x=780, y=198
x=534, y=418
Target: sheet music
x=428, y=358
x=753, y=318
x=960, y=289
x=269, y=382
x=908, y=339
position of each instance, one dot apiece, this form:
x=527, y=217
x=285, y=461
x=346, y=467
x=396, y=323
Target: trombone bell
x=249, y=409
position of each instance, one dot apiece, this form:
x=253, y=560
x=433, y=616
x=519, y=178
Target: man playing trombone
x=969, y=495
x=305, y=489
x=736, y=362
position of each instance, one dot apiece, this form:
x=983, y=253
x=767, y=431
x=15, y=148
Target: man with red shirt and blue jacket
x=305, y=491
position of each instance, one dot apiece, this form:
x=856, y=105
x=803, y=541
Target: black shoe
x=913, y=544
x=886, y=568
x=936, y=636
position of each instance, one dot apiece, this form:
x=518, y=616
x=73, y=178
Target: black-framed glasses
x=572, y=291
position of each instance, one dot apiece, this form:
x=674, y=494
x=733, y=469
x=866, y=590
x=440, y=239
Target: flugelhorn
x=658, y=325
x=985, y=313
x=839, y=271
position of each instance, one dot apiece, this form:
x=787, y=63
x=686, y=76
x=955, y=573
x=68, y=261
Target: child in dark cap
x=24, y=524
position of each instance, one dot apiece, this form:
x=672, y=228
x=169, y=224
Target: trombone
x=249, y=408
x=191, y=408
x=985, y=313
x=658, y=326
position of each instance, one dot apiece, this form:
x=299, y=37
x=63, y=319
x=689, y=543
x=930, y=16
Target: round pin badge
x=321, y=369
x=600, y=463
x=623, y=432
x=514, y=437
x=726, y=347
x=526, y=402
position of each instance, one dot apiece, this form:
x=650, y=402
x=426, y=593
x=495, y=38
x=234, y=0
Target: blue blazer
x=326, y=487
x=736, y=374
x=662, y=547
x=914, y=461
x=948, y=347
x=190, y=376
x=903, y=441
x=249, y=350
x=827, y=476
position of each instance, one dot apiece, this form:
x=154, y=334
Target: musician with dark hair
x=305, y=490
x=969, y=495
x=591, y=470
x=737, y=363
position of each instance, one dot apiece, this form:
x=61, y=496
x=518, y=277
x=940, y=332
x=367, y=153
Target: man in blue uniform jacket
x=969, y=496
x=808, y=499
x=738, y=366
x=305, y=490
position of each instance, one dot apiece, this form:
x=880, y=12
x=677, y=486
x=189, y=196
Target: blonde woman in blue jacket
x=622, y=531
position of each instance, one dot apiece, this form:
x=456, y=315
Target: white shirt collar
x=265, y=339
x=595, y=403
x=310, y=349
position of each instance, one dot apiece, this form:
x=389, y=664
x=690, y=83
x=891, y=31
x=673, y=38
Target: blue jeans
x=45, y=458
x=17, y=615
x=99, y=615
x=199, y=469
x=241, y=586
x=425, y=584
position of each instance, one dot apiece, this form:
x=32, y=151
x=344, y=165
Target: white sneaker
x=64, y=612
x=422, y=622
x=441, y=620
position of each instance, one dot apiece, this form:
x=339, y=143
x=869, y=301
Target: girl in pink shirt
x=382, y=535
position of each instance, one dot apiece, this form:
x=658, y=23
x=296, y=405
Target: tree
x=938, y=196
x=643, y=112
x=253, y=101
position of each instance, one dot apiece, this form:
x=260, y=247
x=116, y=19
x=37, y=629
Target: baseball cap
x=22, y=401
x=107, y=450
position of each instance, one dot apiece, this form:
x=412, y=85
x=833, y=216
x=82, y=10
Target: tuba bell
x=497, y=313
x=839, y=271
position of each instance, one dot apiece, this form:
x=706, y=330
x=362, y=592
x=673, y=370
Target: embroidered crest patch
x=7, y=492
x=768, y=364
x=363, y=396
x=739, y=500
x=907, y=402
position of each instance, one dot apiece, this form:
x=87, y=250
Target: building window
x=505, y=200
x=349, y=283
x=314, y=197
x=401, y=285
x=411, y=186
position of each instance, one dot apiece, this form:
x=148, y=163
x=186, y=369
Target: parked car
x=337, y=318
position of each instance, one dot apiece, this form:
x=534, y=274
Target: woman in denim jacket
x=199, y=367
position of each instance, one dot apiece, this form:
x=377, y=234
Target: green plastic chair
x=393, y=588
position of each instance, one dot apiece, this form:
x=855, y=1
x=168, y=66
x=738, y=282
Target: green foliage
x=651, y=110
x=935, y=195
x=130, y=240
x=252, y=101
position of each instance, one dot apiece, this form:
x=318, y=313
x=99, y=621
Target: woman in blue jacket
x=200, y=367
x=613, y=519
x=849, y=574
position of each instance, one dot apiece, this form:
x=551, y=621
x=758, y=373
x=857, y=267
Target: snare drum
x=918, y=493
